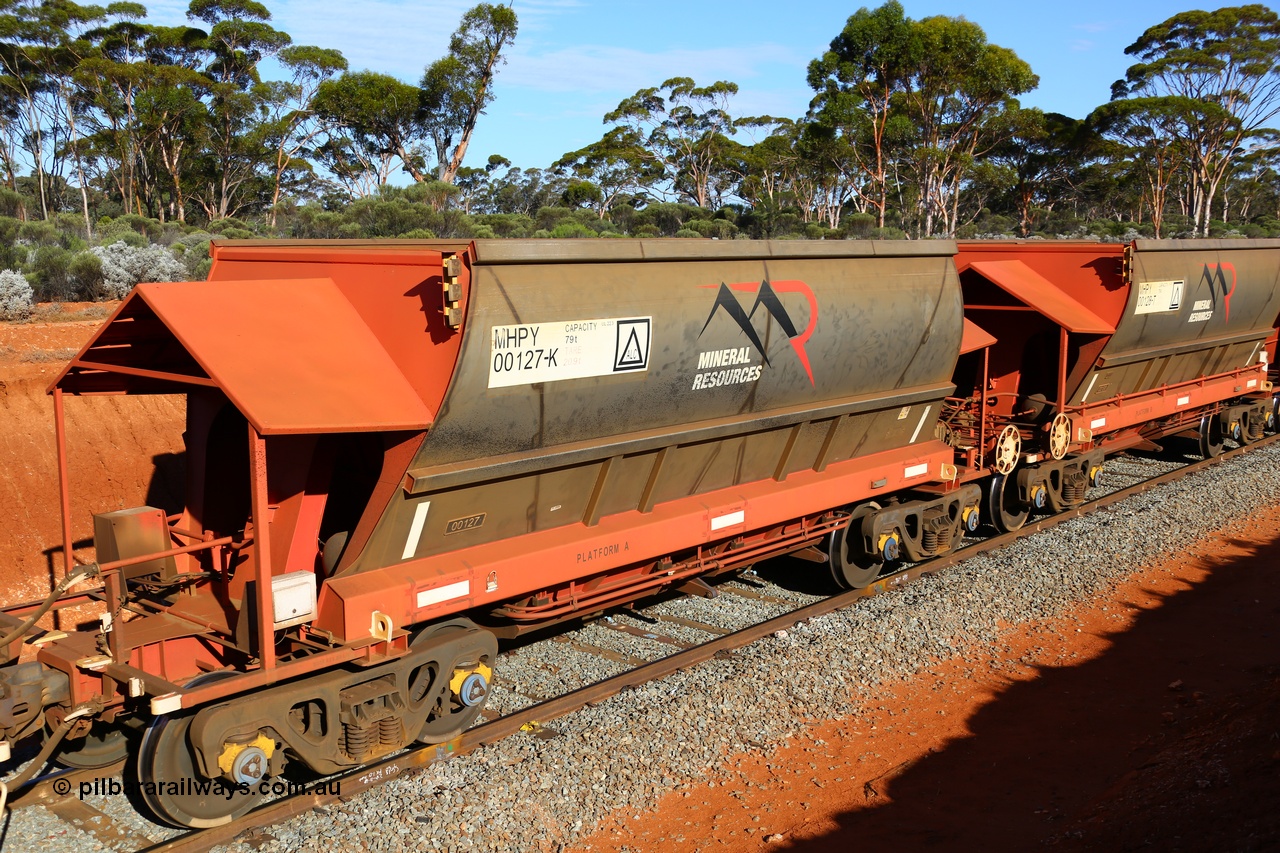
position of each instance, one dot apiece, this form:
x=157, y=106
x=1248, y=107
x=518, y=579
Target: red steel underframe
x=1117, y=413
x=539, y=561
x=526, y=564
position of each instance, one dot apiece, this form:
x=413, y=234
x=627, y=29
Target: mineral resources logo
x=732, y=366
x=1217, y=281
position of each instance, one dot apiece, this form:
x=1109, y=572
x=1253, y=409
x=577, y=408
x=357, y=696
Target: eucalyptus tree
x=1255, y=182
x=108, y=80
x=523, y=191
x=457, y=87
x=293, y=125
x=1217, y=73
x=239, y=37
x=1149, y=134
x=1042, y=152
x=35, y=61
x=766, y=170
x=138, y=96
x=474, y=183
x=617, y=165
x=860, y=81
x=375, y=122
x=960, y=91
x=173, y=120
x=684, y=130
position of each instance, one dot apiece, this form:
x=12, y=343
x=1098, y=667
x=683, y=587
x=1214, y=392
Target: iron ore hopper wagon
x=398, y=453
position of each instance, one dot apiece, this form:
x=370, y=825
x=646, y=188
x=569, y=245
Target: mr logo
x=1217, y=281
x=767, y=297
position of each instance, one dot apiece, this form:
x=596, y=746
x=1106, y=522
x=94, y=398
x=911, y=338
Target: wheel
x=1008, y=448
x=102, y=747
x=172, y=788
x=1273, y=416
x=1002, y=506
x=452, y=711
x=1211, y=436
x=1059, y=436
x=851, y=567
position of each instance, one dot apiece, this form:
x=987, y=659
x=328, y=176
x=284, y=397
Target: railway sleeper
x=1055, y=485
x=347, y=717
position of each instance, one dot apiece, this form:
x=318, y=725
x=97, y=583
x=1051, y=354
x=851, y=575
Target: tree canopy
x=117, y=130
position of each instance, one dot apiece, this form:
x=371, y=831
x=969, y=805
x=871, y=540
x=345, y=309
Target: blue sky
x=574, y=60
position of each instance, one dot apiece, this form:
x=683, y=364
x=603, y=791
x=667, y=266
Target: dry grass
x=42, y=356
x=56, y=312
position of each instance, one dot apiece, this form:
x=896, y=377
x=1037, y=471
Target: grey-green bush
x=15, y=296
x=123, y=266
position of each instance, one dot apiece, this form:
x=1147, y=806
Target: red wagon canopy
x=294, y=356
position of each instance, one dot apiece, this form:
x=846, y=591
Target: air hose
x=88, y=570
x=38, y=763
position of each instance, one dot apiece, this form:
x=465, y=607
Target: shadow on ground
x=1170, y=740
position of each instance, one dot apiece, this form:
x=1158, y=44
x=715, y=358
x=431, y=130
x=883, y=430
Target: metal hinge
x=452, y=287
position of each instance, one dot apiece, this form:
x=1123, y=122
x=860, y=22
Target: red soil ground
x=1148, y=719
x=113, y=443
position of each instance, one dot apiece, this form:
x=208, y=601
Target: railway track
x=529, y=711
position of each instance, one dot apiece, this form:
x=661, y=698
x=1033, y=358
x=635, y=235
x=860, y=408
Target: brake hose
x=88, y=570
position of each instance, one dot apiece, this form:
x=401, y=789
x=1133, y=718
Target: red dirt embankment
x=113, y=446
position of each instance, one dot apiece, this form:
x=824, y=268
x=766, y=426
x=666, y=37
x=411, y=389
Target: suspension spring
x=358, y=740
x=390, y=731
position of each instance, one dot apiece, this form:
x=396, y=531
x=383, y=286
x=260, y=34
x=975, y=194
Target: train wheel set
x=399, y=454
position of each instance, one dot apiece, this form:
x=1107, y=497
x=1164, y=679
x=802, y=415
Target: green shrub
x=859, y=225
x=785, y=224
x=84, y=273
x=311, y=222
x=506, y=224
x=72, y=225
x=39, y=233
x=11, y=203
x=221, y=226
x=50, y=274
x=667, y=218
x=112, y=231
x=720, y=229
x=548, y=218
x=571, y=230
x=889, y=233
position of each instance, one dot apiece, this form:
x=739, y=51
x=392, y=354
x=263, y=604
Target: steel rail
x=384, y=770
